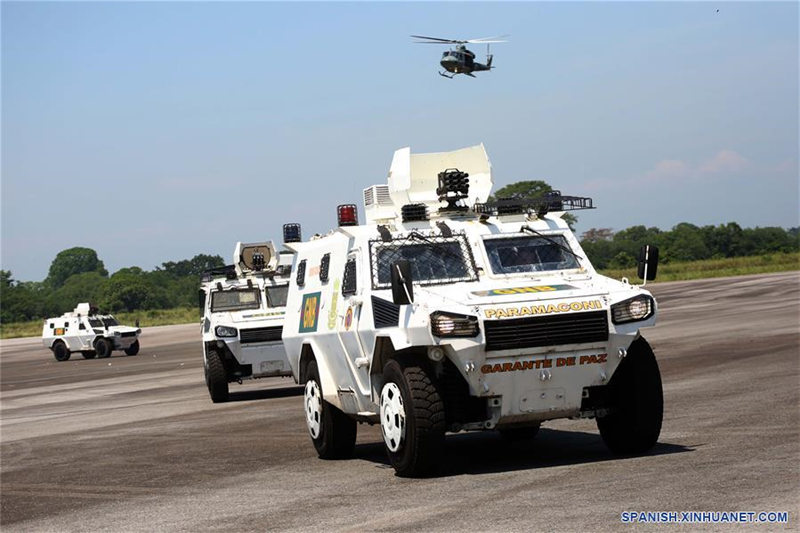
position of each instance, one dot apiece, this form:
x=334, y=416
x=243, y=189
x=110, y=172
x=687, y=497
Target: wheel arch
x=309, y=353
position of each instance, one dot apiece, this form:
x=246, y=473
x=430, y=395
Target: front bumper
x=265, y=358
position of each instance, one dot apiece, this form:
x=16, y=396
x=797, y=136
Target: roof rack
x=229, y=271
x=551, y=201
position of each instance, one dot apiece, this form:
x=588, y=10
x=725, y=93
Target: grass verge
x=716, y=268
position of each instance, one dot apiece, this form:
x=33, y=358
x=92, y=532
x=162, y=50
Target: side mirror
x=648, y=262
x=137, y=322
x=402, y=288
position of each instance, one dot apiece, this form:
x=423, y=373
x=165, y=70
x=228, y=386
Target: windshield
x=235, y=300
x=513, y=255
x=276, y=296
x=109, y=321
x=437, y=261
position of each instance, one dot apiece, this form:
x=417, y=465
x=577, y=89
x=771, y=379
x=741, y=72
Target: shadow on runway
x=265, y=394
x=487, y=452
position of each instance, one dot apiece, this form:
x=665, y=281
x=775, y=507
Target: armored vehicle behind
x=92, y=334
x=243, y=307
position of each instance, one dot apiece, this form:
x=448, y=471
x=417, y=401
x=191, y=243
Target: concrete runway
x=135, y=444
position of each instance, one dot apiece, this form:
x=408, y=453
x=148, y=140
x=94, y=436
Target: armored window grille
x=324, y=267
x=301, y=273
x=349, y=284
x=434, y=259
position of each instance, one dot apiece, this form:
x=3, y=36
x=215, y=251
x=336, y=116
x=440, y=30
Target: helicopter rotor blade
x=497, y=39
x=436, y=40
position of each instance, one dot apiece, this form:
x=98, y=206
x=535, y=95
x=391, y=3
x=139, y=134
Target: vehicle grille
x=272, y=333
x=128, y=334
x=576, y=328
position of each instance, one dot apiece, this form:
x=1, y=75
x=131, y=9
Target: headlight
x=117, y=334
x=453, y=325
x=225, y=331
x=636, y=308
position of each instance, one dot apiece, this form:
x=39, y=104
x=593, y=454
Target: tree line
x=686, y=242
x=78, y=275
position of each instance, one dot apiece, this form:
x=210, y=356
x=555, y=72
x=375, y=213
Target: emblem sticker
x=309, y=312
x=348, y=318
x=523, y=290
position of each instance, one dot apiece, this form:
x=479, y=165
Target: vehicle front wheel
x=103, y=348
x=133, y=349
x=332, y=432
x=412, y=418
x=60, y=351
x=636, y=403
x=216, y=377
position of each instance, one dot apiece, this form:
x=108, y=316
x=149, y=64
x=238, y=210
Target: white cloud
x=724, y=164
x=726, y=161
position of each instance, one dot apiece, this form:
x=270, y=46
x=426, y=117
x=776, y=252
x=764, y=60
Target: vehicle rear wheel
x=412, y=418
x=636, y=403
x=87, y=354
x=133, y=349
x=216, y=377
x=332, y=432
x=60, y=351
x=103, y=348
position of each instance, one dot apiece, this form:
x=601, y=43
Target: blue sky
x=155, y=131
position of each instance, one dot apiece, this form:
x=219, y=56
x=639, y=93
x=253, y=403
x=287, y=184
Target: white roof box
x=413, y=178
x=255, y=257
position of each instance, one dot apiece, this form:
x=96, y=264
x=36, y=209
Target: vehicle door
x=348, y=321
x=85, y=334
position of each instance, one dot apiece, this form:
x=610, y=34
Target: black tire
x=60, y=351
x=133, y=349
x=103, y=348
x=336, y=432
x=519, y=434
x=88, y=354
x=216, y=378
x=636, y=403
x=421, y=449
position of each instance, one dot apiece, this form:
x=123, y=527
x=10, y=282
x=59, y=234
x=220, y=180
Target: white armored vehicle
x=94, y=335
x=243, y=307
x=446, y=313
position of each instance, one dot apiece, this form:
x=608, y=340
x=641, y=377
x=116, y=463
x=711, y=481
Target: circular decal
x=348, y=318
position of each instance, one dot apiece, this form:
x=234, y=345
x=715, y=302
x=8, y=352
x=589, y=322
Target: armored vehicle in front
x=444, y=313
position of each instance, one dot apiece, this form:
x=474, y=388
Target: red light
x=347, y=214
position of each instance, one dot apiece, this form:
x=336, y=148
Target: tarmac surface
x=135, y=444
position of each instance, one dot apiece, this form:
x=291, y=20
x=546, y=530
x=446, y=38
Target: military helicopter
x=460, y=60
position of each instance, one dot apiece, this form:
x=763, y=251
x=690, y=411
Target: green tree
x=530, y=189
x=128, y=291
x=74, y=261
x=83, y=287
x=192, y=267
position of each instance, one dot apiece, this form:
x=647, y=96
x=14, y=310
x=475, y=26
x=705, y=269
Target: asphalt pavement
x=133, y=443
